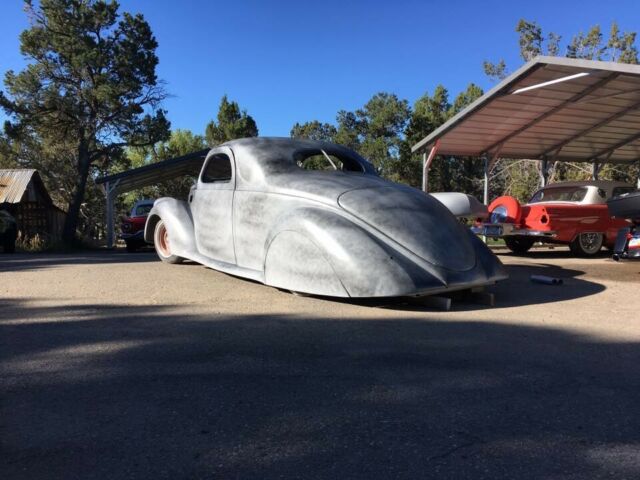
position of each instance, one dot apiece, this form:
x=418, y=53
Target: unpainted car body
x=570, y=213
x=258, y=212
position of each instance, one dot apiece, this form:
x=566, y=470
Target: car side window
x=218, y=169
x=621, y=191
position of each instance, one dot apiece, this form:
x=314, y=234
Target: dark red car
x=132, y=227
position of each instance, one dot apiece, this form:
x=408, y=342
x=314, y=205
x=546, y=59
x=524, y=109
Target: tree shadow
x=118, y=391
x=36, y=261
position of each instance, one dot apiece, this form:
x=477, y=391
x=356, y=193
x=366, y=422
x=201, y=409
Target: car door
x=212, y=206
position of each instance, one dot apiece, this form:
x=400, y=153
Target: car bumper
x=139, y=235
x=509, y=229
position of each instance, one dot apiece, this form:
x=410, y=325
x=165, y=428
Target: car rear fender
x=176, y=215
x=316, y=250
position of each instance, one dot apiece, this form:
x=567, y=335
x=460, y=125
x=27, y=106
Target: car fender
x=462, y=205
x=176, y=215
x=338, y=256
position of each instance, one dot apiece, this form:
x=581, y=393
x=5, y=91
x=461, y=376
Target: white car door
x=211, y=205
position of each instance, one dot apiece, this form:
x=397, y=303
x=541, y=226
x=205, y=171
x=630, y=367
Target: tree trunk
x=73, y=212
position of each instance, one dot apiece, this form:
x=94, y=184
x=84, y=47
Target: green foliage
x=376, y=130
x=314, y=130
x=231, y=123
x=89, y=90
x=530, y=39
x=588, y=46
x=181, y=142
x=495, y=71
x=621, y=46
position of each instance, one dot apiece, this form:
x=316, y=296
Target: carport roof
x=153, y=173
x=555, y=108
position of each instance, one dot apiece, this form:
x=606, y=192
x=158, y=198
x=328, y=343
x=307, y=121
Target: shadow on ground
x=143, y=392
x=37, y=261
x=518, y=290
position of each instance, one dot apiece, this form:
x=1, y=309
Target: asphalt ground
x=115, y=366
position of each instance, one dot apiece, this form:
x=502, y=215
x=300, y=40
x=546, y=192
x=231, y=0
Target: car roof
x=260, y=159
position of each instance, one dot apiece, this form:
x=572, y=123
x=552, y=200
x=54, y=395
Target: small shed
x=24, y=195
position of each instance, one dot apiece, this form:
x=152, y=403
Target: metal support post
x=485, y=197
x=110, y=193
x=426, y=163
x=544, y=172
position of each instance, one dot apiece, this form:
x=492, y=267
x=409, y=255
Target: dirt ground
x=116, y=366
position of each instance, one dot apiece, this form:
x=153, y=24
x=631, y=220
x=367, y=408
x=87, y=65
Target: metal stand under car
x=628, y=240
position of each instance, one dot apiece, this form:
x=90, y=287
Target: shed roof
x=153, y=173
x=14, y=183
x=558, y=108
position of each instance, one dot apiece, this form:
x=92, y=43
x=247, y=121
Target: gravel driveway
x=115, y=366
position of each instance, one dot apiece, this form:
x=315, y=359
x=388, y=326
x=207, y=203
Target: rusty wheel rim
x=163, y=241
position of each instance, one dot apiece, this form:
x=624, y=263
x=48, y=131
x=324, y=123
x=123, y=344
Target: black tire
x=162, y=245
x=132, y=247
x=587, y=244
x=9, y=242
x=519, y=245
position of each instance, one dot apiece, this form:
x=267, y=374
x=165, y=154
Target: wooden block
x=437, y=302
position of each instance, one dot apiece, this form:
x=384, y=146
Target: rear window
x=622, y=190
x=320, y=160
x=142, y=210
x=559, y=194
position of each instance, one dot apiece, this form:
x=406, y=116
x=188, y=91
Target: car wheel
x=519, y=245
x=162, y=244
x=9, y=243
x=587, y=244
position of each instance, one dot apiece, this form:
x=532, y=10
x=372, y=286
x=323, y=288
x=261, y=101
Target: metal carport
x=151, y=174
x=551, y=109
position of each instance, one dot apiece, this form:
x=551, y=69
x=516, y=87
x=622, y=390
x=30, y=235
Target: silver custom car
x=314, y=217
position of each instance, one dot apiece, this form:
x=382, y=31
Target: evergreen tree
x=314, y=130
x=231, y=123
x=89, y=90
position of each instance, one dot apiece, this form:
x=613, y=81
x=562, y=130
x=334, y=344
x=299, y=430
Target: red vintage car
x=132, y=227
x=569, y=213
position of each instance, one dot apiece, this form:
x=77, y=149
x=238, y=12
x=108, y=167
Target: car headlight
x=499, y=214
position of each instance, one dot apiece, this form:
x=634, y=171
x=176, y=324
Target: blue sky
x=288, y=61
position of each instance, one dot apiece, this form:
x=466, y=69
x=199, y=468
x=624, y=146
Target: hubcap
x=163, y=241
x=590, y=242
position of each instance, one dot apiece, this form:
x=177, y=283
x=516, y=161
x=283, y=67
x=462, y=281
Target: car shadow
x=146, y=391
x=517, y=290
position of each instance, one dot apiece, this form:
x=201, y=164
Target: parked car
x=569, y=213
x=315, y=217
x=8, y=232
x=132, y=227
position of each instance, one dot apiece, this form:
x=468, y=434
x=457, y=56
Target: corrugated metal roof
x=13, y=184
x=558, y=108
x=153, y=173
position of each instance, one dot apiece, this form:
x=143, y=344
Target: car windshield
x=559, y=194
x=319, y=160
x=142, y=210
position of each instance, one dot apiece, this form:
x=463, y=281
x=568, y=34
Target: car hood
x=417, y=221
